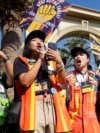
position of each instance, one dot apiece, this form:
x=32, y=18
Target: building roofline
x=86, y=8
x=80, y=11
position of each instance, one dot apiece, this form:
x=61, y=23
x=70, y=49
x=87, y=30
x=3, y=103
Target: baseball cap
x=35, y=34
x=77, y=49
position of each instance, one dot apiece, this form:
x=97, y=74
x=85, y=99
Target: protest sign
x=44, y=15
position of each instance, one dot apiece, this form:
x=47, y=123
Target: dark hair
x=89, y=67
x=27, y=50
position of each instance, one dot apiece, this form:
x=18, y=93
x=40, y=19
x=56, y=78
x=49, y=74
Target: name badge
x=86, y=88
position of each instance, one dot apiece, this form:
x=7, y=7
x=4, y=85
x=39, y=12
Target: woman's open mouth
x=78, y=62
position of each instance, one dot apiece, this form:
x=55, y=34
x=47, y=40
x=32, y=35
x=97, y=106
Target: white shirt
x=81, y=78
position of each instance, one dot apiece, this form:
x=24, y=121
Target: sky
x=93, y=4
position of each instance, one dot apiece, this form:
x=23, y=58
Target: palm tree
x=11, y=13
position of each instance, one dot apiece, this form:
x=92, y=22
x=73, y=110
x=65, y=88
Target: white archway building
x=78, y=19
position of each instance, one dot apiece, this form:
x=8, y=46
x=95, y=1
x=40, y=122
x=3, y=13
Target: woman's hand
x=42, y=53
x=54, y=56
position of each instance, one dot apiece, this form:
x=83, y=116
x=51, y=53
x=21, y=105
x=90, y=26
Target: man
x=36, y=81
x=83, y=88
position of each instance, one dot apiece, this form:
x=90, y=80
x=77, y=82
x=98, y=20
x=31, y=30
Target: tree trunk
x=11, y=42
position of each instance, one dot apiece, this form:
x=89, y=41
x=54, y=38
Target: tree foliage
x=12, y=11
x=11, y=14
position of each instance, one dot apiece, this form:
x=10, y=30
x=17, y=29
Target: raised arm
x=8, y=68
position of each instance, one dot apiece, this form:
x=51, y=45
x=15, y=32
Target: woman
x=83, y=89
x=36, y=80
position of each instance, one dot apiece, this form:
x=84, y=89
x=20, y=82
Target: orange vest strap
x=27, y=115
x=62, y=115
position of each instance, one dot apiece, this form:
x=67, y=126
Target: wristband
x=60, y=67
x=6, y=59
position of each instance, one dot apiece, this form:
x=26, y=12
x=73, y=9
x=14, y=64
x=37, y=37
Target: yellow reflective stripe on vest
x=77, y=107
x=32, y=108
x=91, y=97
x=27, y=117
x=94, y=127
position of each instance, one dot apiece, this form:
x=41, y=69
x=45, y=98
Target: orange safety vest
x=82, y=107
x=27, y=113
x=27, y=116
